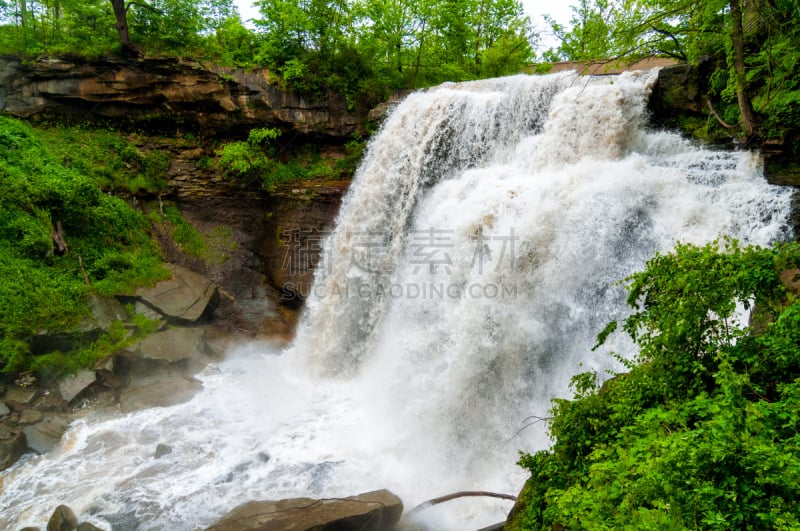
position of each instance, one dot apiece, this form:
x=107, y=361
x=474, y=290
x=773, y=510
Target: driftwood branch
x=717, y=116
x=456, y=495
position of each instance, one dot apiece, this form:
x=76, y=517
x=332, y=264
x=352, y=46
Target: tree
x=121, y=15
x=756, y=82
x=701, y=433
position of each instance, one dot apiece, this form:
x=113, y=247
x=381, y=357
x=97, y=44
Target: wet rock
x=4, y=409
x=63, y=519
x=372, y=511
x=162, y=450
x=143, y=309
x=20, y=395
x=30, y=416
x=86, y=526
x=186, y=297
x=381, y=111
x=108, y=379
x=160, y=389
x=300, y=226
x=71, y=386
x=678, y=90
x=26, y=380
x=43, y=436
x=106, y=310
x=12, y=445
x=173, y=345
x=108, y=363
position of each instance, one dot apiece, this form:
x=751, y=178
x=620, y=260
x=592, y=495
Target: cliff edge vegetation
x=63, y=239
x=702, y=431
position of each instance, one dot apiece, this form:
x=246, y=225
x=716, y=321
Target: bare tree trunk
x=23, y=20
x=121, y=14
x=742, y=93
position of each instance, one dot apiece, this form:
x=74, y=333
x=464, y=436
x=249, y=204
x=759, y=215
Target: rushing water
x=473, y=263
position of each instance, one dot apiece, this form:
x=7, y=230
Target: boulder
x=372, y=511
x=71, y=386
x=143, y=309
x=186, y=297
x=106, y=310
x=63, y=519
x=160, y=389
x=12, y=445
x=162, y=450
x=30, y=416
x=44, y=435
x=20, y=394
x=86, y=526
x=173, y=345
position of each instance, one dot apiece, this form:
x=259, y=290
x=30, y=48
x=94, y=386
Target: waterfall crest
x=474, y=261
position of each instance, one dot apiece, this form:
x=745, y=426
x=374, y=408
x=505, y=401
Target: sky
x=558, y=9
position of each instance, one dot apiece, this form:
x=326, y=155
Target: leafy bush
x=182, y=232
x=257, y=161
x=704, y=431
x=112, y=161
x=109, y=250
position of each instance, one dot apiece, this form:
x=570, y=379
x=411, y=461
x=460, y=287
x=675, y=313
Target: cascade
x=475, y=259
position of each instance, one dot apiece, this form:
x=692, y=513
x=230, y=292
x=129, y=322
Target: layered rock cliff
x=167, y=94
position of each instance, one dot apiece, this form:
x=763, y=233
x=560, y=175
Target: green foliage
x=693, y=30
x=189, y=240
x=364, y=49
x=702, y=432
x=209, y=28
x=250, y=161
x=113, y=161
x=259, y=161
x=361, y=49
x=108, y=243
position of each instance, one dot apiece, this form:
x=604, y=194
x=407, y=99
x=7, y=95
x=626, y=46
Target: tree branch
x=463, y=494
x=717, y=116
x=680, y=55
x=143, y=6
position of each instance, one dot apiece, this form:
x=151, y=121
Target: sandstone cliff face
x=168, y=94
x=262, y=247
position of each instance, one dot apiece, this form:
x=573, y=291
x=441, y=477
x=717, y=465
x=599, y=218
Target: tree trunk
x=742, y=94
x=121, y=14
x=23, y=20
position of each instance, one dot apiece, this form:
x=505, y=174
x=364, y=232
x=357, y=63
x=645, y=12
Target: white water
x=420, y=359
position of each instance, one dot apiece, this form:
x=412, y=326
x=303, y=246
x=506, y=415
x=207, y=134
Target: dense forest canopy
x=364, y=49
x=353, y=47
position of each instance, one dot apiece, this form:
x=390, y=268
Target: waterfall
x=476, y=257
